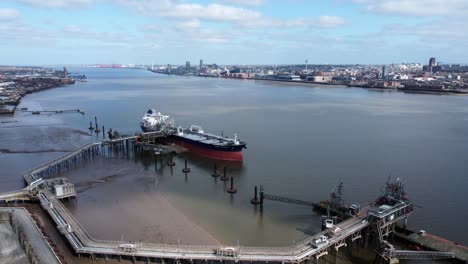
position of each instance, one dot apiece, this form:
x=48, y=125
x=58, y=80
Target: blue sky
x=232, y=31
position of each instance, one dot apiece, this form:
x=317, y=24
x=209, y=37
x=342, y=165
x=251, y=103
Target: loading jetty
x=374, y=221
x=38, y=112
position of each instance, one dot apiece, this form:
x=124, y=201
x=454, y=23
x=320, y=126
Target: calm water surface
x=301, y=141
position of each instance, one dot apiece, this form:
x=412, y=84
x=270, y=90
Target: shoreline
x=253, y=79
x=16, y=95
x=341, y=85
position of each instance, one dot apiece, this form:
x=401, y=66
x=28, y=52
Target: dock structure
x=289, y=200
x=38, y=112
x=78, y=157
x=14, y=196
x=391, y=255
x=308, y=249
x=378, y=218
x=84, y=244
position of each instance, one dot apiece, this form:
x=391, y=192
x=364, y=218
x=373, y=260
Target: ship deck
x=209, y=139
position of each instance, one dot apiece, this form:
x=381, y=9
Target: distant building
x=239, y=75
x=432, y=67
x=201, y=65
x=235, y=70
x=322, y=79
x=65, y=72
x=187, y=65
x=169, y=69
x=384, y=72
x=432, y=64
x=289, y=77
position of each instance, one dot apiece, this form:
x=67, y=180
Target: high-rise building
x=187, y=65
x=201, y=65
x=432, y=64
x=65, y=72
x=306, y=64
x=384, y=72
x=169, y=69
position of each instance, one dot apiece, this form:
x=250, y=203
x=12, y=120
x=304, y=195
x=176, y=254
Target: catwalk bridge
x=380, y=220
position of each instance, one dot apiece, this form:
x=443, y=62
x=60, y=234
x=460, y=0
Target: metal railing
x=83, y=242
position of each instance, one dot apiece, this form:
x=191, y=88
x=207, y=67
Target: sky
x=41, y=32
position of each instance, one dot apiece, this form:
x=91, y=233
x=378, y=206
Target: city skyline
x=232, y=31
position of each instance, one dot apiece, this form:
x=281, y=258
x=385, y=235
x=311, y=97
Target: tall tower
x=306, y=65
x=432, y=63
x=187, y=65
x=384, y=72
x=201, y=65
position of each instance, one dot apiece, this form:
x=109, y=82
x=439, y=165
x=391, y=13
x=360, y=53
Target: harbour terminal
x=50, y=210
x=233, y=132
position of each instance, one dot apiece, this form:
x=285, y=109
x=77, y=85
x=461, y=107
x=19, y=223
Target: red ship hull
x=210, y=153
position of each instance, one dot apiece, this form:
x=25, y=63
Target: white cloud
x=56, y=3
x=175, y=9
x=321, y=21
x=75, y=32
x=246, y=2
x=212, y=12
x=7, y=14
x=445, y=32
x=416, y=7
x=180, y=26
x=193, y=23
x=20, y=33
x=192, y=14
x=330, y=21
x=202, y=35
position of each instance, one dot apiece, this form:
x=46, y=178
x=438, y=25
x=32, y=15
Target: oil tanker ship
x=194, y=138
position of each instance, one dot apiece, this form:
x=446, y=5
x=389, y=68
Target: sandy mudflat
x=124, y=204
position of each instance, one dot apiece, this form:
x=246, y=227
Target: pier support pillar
x=186, y=169
x=156, y=160
x=170, y=162
x=261, y=194
x=96, y=125
x=215, y=171
x=232, y=190
x=224, y=178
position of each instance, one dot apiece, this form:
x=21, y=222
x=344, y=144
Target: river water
x=300, y=141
